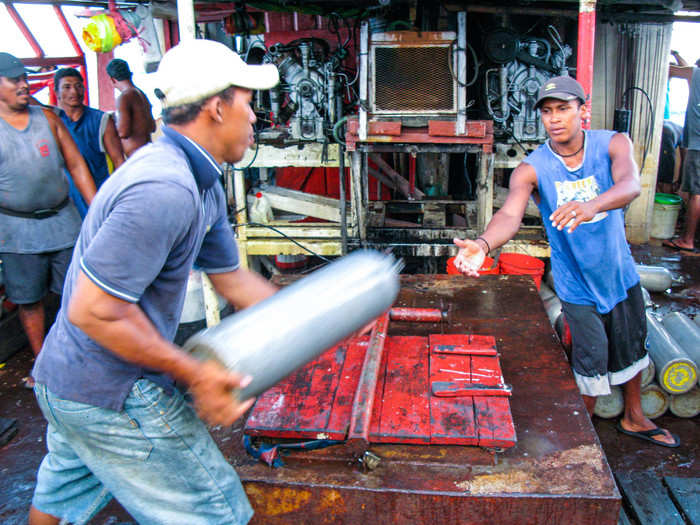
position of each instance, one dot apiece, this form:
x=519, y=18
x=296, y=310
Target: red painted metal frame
x=586, y=47
x=40, y=81
x=482, y=135
x=26, y=32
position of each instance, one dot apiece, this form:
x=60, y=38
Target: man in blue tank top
x=581, y=180
x=93, y=130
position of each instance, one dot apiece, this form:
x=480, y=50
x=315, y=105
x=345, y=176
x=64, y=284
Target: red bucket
x=487, y=267
x=521, y=264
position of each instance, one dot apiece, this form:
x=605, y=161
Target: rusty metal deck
x=557, y=472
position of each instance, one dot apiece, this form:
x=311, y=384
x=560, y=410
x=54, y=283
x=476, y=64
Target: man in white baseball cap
x=106, y=375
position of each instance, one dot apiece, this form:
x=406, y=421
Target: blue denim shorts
x=156, y=457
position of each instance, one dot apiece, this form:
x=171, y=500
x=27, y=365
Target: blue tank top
x=593, y=265
x=88, y=132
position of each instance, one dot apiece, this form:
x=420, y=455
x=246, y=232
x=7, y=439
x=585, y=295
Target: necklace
x=583, y=143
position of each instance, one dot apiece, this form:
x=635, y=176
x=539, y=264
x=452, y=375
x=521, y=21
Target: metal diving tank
x=271, y=339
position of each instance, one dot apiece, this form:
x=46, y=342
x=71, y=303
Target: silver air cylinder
x=654, y=278
x=675, y=371
x=271, y=339
x=685, y=332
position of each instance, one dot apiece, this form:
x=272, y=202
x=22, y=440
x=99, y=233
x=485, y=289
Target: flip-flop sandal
x=685, y=251
x=648, y=435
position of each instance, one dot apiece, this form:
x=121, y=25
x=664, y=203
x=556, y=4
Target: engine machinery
x=309, y=98
x=523, y=64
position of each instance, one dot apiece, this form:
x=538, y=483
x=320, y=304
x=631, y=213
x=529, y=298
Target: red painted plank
x=463, y=344
x=378, y=127
x=298, y=407
x=448, y=128
x=486, y=370
x=461, y=389
x=347, y=385
x=405, y=411
x=494, y=422
x=451, y=419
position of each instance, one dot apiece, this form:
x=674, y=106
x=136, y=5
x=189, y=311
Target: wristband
x=488, y=246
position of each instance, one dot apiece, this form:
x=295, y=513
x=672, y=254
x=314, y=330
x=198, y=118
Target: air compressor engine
x=309, y=98
x=523, y=64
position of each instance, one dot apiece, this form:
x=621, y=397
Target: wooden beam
x=299, y=202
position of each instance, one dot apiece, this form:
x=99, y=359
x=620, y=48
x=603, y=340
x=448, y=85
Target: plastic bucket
x=487, y=268
x=664, y=215
x=521, y=264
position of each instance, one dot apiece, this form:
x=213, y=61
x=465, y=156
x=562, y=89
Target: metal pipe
x=418, y=315
x=185, y=19
x=26, y=32
x=271, y=339
x=461, y=73
x=364, y=44
x=343, y=206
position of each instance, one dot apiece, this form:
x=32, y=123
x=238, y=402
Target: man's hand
x=470, y=257
x=212, y=390
x=573, y=213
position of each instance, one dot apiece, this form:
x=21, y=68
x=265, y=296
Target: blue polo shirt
x=161, y=213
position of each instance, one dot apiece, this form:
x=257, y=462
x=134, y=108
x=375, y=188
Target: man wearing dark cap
x=93, y=130
x=119, y=427
x=38, y=223
x=581, y=180
x=134, y=119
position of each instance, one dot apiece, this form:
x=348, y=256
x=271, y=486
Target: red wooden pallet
x=441, y=389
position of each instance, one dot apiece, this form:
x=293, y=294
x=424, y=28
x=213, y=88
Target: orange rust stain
x=273, y=502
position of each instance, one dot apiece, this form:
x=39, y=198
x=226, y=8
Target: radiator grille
x=412, y=80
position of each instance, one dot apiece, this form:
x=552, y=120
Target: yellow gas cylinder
x=100, y=34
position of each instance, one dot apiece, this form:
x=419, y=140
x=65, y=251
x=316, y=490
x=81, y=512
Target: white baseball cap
x=197, y=69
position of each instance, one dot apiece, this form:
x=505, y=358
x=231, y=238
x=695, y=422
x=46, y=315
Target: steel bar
x=417, y=315
x=358, y=435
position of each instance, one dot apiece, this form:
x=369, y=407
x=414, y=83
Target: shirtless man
x=134, y=120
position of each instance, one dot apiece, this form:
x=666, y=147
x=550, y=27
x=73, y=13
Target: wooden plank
x=448, y=128
x=451, y=419
x=494, y=422
x=623, y=520
x=342, y=401
x=299, y=202
x=310, y=155
x=376, y=419
x=685, y=492
x=649, y=502
x=463, y=344
x=405, y=408
x=297, y=407
x=284, y=246
x=486, y=370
